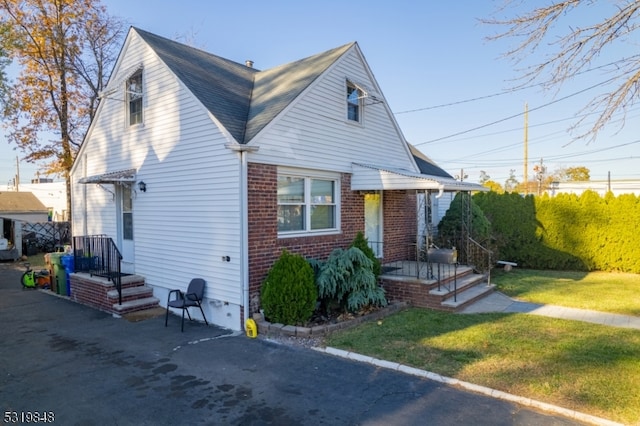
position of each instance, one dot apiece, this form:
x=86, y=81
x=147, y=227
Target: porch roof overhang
x=368, y=177
x=120, y=176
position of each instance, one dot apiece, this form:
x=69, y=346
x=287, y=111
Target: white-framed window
x=134, y=92
x=354, y=103
x=308, y=203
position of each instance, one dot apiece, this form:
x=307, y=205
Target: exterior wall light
x=142, y=186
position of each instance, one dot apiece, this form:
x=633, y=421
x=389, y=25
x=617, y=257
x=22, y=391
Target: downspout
x=244, y=224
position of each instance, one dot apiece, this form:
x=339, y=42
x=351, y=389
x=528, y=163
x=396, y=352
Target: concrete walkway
x=499, y=302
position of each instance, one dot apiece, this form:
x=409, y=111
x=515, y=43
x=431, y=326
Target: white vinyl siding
x=315, y=132
x=189, y=217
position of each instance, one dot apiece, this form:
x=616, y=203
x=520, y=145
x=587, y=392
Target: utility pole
x=526, y=148
x=462, y=176
x=17, y=174
x=541, y=171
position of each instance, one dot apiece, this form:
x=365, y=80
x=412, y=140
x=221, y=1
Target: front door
x=373, y=221
x=125, y=226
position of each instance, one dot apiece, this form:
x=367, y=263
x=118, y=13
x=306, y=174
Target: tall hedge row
x=586, y=232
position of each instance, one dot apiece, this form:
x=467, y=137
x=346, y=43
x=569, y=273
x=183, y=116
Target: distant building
x=53, y=195
x=23, y=206
x=617, y=187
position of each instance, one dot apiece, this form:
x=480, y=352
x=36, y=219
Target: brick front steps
x=274, y=329
x=100, y=293
x=423, y=293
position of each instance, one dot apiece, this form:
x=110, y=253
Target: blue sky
x=423, y=55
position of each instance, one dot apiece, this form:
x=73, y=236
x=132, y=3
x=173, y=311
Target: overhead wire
x=505, y=92
x=520, y=114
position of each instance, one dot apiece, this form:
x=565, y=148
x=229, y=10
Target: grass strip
x=600, y=291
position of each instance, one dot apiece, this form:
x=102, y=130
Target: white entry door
x=125, y=226
x=373, y=222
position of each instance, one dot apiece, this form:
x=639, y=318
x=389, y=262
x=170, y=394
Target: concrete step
x=462, y=283
x=468, y=296
x=136, y=305
x=131, y=293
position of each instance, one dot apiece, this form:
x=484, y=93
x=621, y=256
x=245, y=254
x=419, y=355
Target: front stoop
x=449, y=296
x=100, y=293
x=468, y=296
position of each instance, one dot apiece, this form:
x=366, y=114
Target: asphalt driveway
x=80, y=366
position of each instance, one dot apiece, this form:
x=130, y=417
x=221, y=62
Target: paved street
x=85, y=367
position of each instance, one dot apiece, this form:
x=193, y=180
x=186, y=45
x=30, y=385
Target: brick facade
x=400, y=224
x=265, y=247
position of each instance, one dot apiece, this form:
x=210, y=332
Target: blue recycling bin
x=69, y=268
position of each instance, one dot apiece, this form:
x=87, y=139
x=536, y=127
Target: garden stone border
x=276, y=329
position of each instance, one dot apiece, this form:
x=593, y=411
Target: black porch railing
x=480, y=258
x=99, y=256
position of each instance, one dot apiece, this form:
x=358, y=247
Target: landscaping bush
x=361, y=242
x=347, y=279
x=449, y=226
x=289, y=294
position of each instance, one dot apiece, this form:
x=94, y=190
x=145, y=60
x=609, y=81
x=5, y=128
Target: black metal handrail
x=478, y=254
x=98, y=255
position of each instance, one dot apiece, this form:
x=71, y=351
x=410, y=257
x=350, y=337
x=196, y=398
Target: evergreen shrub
x=347, y=278
x=289, y=294
x=566, y=231
x=363, y=244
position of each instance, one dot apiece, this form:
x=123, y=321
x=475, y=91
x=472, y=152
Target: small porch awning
x=120, y=176
x=368, y=177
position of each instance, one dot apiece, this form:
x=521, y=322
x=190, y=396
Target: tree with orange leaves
x=64, y=49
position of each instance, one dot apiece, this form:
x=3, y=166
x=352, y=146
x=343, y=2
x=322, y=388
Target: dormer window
x=134, y=98
x=354, y=103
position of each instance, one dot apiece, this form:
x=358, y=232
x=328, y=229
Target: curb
x=527, y=402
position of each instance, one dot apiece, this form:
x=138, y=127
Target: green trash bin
x=59, y=273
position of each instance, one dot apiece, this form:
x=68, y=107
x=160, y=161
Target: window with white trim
x=307, y=204
x=354, y=103
x=134, y=98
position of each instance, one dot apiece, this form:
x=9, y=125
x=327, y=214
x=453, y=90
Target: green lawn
x=585, y=367
x=601, y=291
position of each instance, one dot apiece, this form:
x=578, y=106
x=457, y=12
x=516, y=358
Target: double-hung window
x=354, y=103
x=134, y=98
x=307, y=204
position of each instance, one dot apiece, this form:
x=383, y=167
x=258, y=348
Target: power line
x=507, y=92
x=516, y=115
x=531, y=126
x=556, y=158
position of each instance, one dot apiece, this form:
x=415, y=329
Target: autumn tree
x=511, y=183
x=4, y=61
x=493, y=186
x=64, y=49
x=483, y=177
x=572, y=174
x=562, y=43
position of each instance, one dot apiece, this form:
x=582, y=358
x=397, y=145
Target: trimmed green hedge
x=570, y=232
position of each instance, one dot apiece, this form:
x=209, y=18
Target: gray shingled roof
x=426, y=165
x=277, y=87
x=243, y=99
x=223, y=86
x=20, y=202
